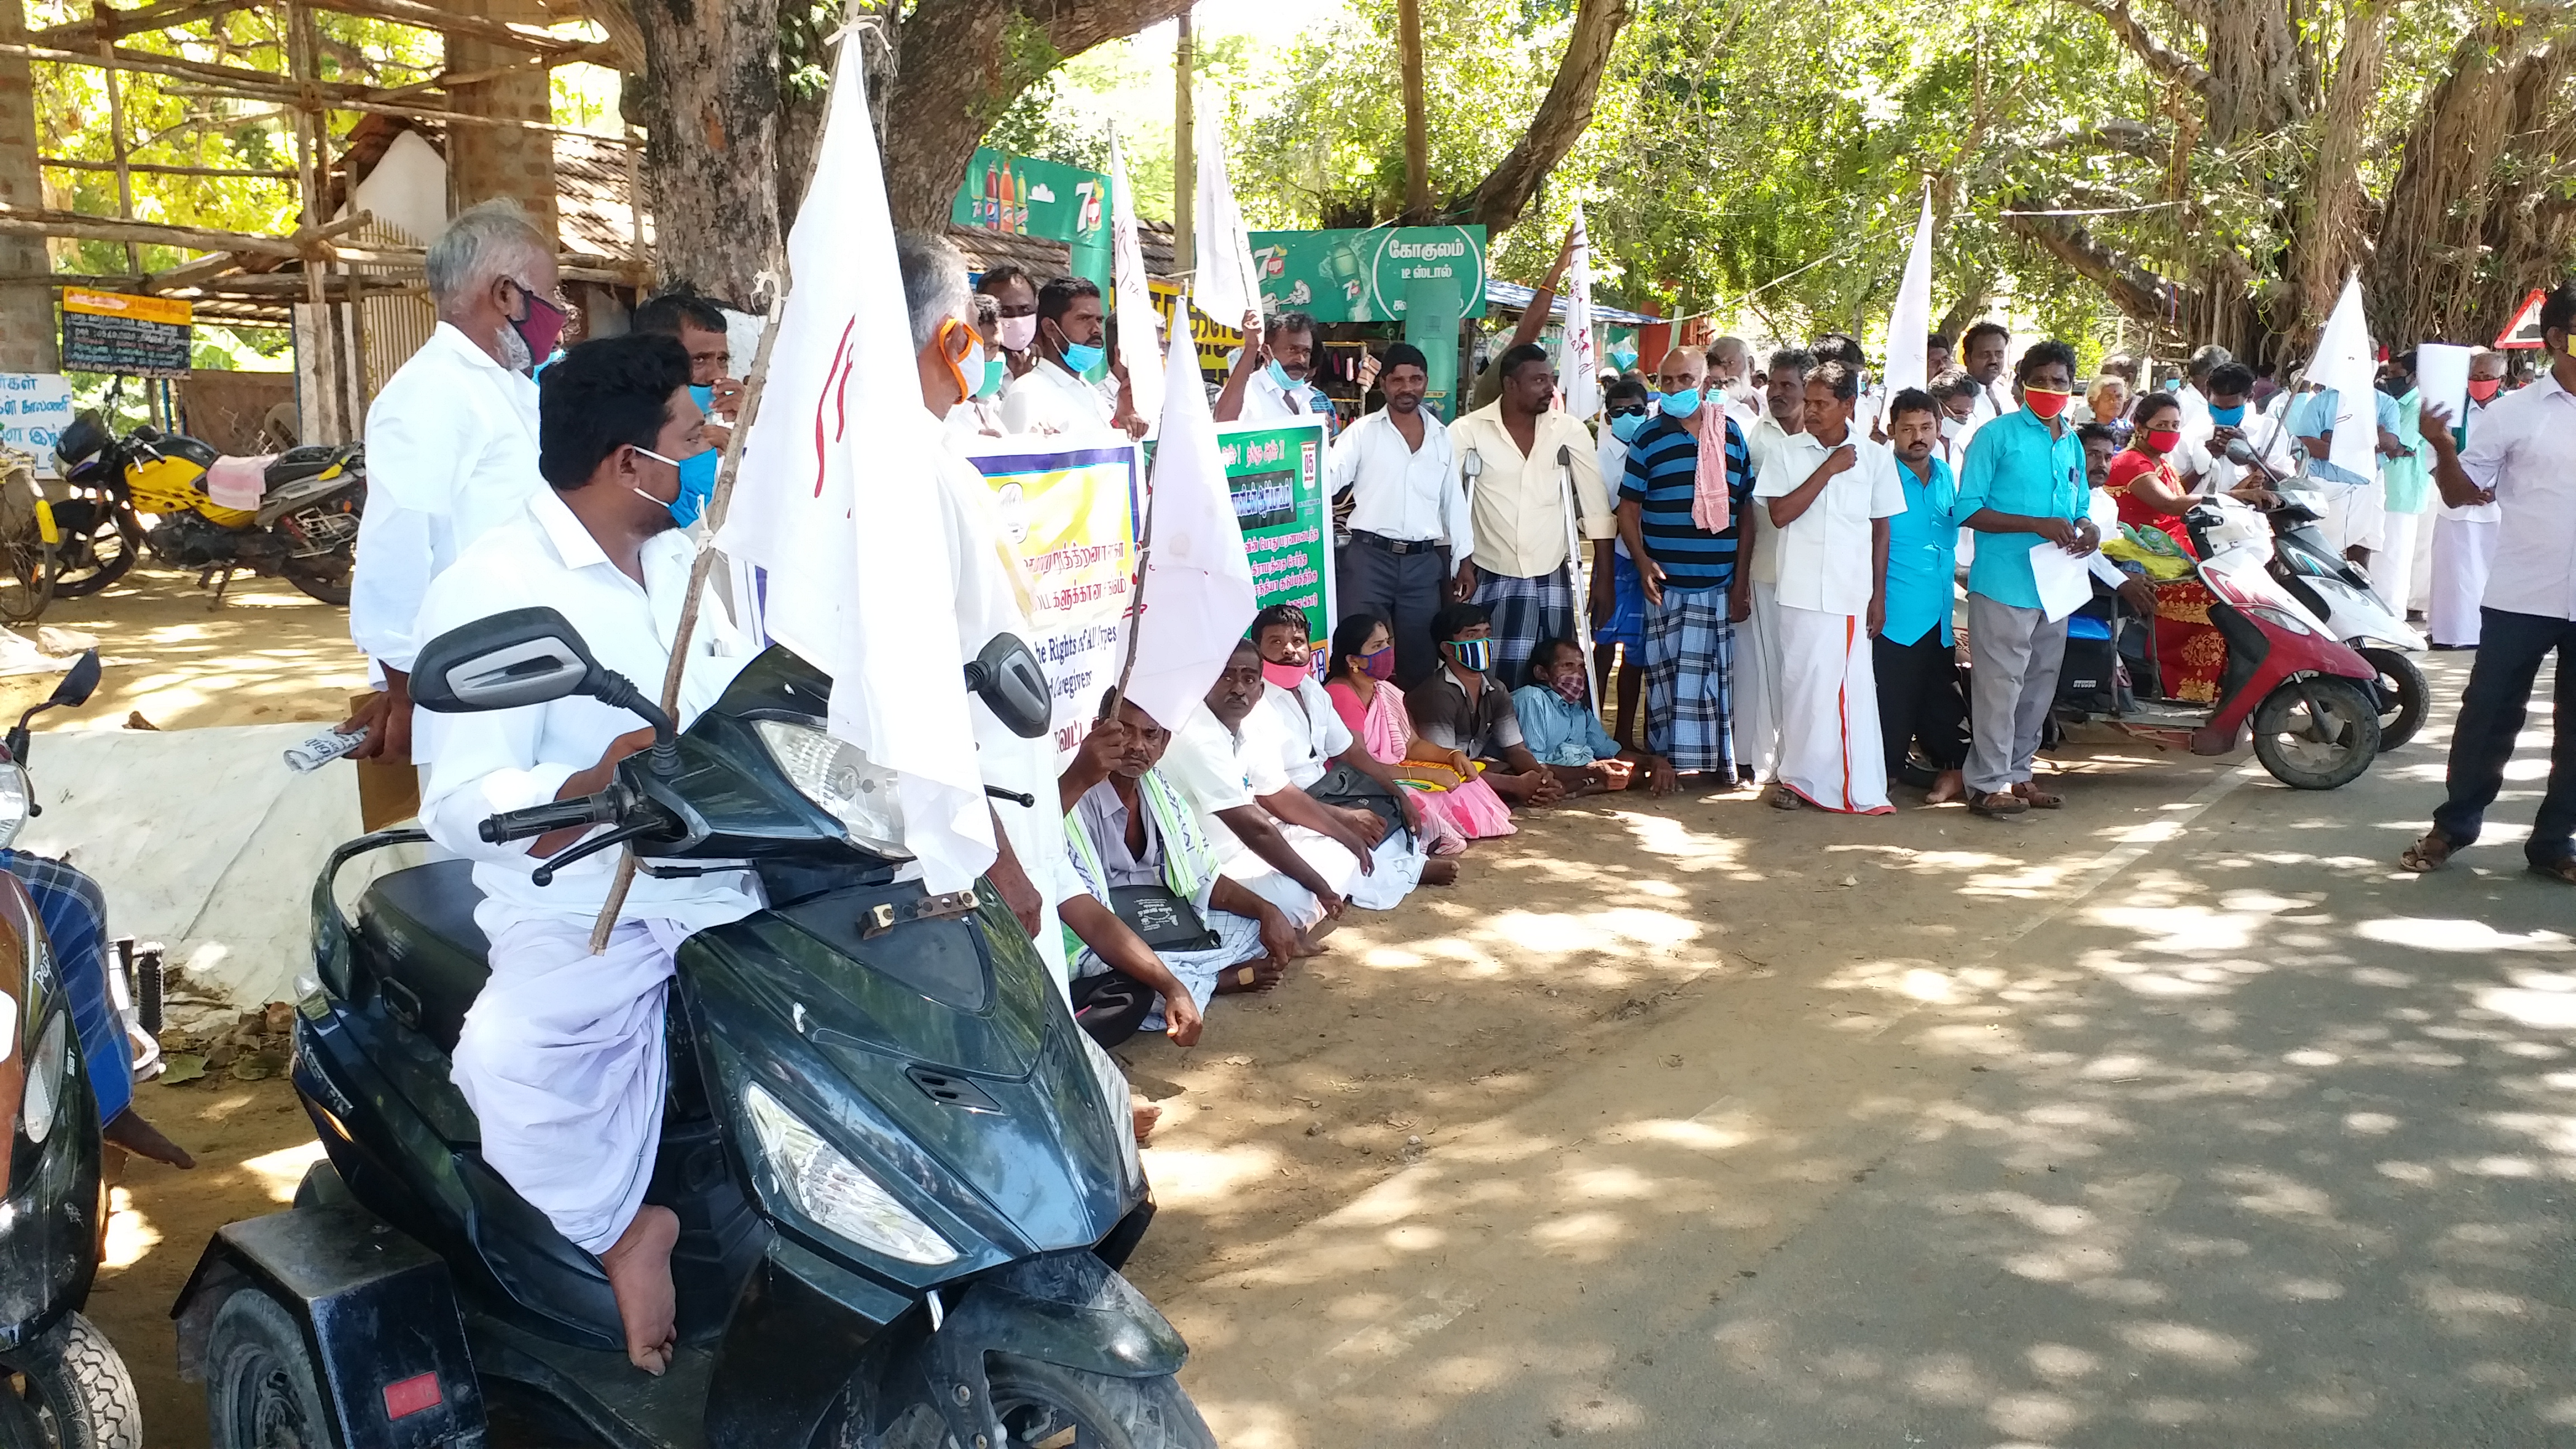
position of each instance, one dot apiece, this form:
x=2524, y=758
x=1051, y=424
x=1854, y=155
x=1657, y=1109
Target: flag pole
x=699, y=572
x=1574, y=574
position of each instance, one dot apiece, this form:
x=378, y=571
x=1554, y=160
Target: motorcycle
x=2336, y=590
x=62, y=1382
x=304, y=527
x=2309, y=698
x=906, y=1179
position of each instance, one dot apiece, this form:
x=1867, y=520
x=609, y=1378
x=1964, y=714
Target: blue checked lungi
x=74, y=911
x=1525, y=611
x=1690, y=656
x=1627, y=622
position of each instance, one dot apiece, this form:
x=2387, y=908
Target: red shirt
x=2132, y=464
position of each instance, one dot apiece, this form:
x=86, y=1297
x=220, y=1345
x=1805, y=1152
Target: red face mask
x=2044, y=404
x=2484, y=389
x=1286, y=676
x=2164, y=440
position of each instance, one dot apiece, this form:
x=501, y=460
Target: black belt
x=1395, y=545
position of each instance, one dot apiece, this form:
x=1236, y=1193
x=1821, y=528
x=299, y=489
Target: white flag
x=1578, y=359
x=1134, y=303
x=1224, y=285
x=2343, y=363
x=1197, y=594
x=837, y=500
x=1909, y=326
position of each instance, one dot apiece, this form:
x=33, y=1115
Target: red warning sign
x=2524, y=330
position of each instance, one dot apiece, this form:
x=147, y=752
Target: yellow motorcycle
x=303, y=527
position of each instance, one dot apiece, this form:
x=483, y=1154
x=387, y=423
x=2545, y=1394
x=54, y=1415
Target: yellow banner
x=120, y=304
x=1213, y=341
x=1069, y=518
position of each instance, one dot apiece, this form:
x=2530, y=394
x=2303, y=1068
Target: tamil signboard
x=1276, y=473
x=120, y=333
x=1366, y=275
x=35, y=407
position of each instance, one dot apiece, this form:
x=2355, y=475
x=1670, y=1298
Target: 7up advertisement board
x=1365, y=276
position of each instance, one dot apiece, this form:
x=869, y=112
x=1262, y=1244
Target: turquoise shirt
x=1559, y=733
x=1922, y=556
x=2408, y=477
x=2014, y=466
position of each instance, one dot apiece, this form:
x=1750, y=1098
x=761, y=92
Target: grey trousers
x=2014, y=655
x=1408, y=590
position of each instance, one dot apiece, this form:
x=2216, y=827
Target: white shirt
x=1519, y=501
x=1762, y=442
x=1214, y=770
x=2524, y=447
x=1265, y=401
x=514, y=758
x=1048, y=399
x=1825, y=553
x=451, y=455
x=2475, y=512
x=1311, y=731
x=1400, y=491
x=2266, y=434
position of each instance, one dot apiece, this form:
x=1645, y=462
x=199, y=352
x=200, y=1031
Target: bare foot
x=130, y=1131
x=1146, y=1114
x=1258, y=975
x=1442, y=872
x=639, y=1273
x=1947, y=786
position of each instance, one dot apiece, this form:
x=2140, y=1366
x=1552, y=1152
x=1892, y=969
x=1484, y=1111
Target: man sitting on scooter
x=561, y=1056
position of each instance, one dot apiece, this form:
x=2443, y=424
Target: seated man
x=561, y=1056
x=74, y=911
x=1560, y=730
x=1319, y=754
x=1128, y=826
x=1460, y=708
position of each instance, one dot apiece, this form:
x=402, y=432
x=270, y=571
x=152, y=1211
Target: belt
x=1395, y=545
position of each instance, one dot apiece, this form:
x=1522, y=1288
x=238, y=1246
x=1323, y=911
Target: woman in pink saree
x=1457, y=806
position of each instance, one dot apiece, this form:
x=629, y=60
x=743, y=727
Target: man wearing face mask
x=2464, y=535
x=561, y=1056
x=451, y=443
x=1015, y=294
x=680, y=311
x=1619, y=632
x=1273, y=380
x=2228, y=415
x=1055, y=396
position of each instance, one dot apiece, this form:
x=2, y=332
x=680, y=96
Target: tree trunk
x=711, y=154
x=1560, y=121
x=1417, y=126
x=2252, y=57
x=2333, y=223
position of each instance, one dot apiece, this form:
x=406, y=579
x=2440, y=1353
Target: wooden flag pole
x=699, y=572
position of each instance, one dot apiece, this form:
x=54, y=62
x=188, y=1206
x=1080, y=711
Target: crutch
x=1574, y=574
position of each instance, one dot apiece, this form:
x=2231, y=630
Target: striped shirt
x=1663, y=460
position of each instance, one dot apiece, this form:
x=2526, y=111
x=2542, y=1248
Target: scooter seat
x=416, y=933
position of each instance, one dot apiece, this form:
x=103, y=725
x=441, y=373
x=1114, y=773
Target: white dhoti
x=1829, y=745
x=2419, y=576
x=2392, y=568
x=1238, y=939
x=1756, y=695
x=2464, y=549
x=2354, y=514
x=561, y=1060
x=1396, y=868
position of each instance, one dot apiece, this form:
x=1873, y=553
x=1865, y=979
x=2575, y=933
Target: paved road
x=2230, y=1134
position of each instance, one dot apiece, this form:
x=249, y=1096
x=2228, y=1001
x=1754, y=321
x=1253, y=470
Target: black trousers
x=1110, y=1006
x=2492, y=709
x=1919, y=699
x=1407, y=589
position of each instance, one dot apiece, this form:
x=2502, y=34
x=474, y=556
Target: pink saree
x=1453, y=815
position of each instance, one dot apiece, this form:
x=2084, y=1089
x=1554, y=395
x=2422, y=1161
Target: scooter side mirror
x=522, y=657
x=1011, y=682
x=78, y=684
x=2240, y=452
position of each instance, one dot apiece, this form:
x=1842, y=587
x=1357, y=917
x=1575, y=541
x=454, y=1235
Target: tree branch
x=1560, y=121
x=2161, y=58
x=2135, y=290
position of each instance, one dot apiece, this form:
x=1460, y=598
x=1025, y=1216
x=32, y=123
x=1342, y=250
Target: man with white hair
x=451, y=442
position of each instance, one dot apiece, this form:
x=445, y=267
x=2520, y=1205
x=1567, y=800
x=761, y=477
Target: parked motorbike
x=2309, y=698
x=2337, y=590
x=61, y=1381
x=305, y=529
x=906, y=1180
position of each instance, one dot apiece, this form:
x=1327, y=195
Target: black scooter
x=905, y=1179
x=61, y=1381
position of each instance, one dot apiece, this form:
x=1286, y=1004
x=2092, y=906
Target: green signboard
x=1365, y=276
x=1022, y=196
x=1276, y=473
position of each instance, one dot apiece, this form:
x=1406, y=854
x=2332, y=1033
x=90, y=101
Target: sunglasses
x=1628, y=410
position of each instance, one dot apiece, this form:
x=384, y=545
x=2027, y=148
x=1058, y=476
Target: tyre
x=26, y=579
x=2402, y=691
x=1045, y=1406
x=69, y=1390
x=261, y=1390
x=2318, y=733
x=100, y=541
x=325, y=578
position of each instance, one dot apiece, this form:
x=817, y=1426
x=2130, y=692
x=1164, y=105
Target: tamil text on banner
x=120, y=333
x=1070, y=517
x=1366, y=275
x=1275, y=471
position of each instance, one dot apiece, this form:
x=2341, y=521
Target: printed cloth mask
x=1286, y=676
x=1018, y=333
x=697, y=484
x=1475, y=654
x=543, y=327
x=2045, y=403
x=1572, y=687
x=1681, y=404
x=1379, y=664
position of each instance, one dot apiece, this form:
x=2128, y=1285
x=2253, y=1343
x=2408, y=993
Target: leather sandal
x=1997, y=804
x=2430, y=852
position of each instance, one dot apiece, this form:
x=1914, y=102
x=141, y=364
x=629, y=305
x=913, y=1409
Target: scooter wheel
x=261, y=1389
x=2318, y=733
x=1041, y=1403
x=69, y=1389
x=2403, y=695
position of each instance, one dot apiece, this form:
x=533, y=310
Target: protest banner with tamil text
x=119, y=333
x=35, y=407
x=1276, y=473
x=1069, y=516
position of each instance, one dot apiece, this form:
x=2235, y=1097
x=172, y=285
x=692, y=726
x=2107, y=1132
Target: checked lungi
x=1525, y=611
x=1690, y=654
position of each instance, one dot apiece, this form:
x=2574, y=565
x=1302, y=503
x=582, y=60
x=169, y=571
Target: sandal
x=2562, y=869
x=1783, y=798
x=1997, y=804
x=2035, y=797
x=2430, y=852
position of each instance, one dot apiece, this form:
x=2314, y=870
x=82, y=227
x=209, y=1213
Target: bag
x=1348, y=789
x=1162, y=920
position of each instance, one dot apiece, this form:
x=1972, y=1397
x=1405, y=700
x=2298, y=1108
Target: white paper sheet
x=2442, y=376
x=2065, y=581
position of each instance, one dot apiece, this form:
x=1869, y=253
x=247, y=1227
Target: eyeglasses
x=1628, y=410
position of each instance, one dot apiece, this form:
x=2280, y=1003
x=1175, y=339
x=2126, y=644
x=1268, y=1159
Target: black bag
x=1161, y=919
x=1349, y=789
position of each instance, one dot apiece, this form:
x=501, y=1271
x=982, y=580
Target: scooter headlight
x=46, y=1067
x=1122, y=1108
x=834, y=1191
x=2279, y=618
x=838, y=776
x=13, y=802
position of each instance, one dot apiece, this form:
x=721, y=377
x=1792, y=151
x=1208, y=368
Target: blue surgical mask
x=2228, y=417
x=1625, y=428
x=1280, y=376
x=697, y=483
x=1475, y=654
x=1681, y=404
x=704, y=396
x=1081, y=357
x=1623, y=358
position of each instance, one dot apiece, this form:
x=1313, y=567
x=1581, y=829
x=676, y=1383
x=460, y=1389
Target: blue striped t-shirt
x=1663, y=460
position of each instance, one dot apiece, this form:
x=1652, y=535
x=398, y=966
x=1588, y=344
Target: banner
x=1069, y=516
x=1275, y=471
x=1366, y=275
x=35, y=407
x=1578, y=355
x=135, y=336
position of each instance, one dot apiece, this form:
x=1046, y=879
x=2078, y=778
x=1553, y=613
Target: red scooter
x=2308, y=696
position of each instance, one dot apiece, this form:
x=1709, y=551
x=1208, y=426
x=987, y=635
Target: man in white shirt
x=1830, y=494
x=1758, y=664
x=2522, y=457
x=682, y=312
x=1409, y=516
x=1983, y=348
x=1730, y=382
x=2227, y=415
x=1522, y=446
x=451, y=443
x=2464, y=538
x=1273, y=378
x=561, y=1055
x=1053, y=396
x=2194, y=395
